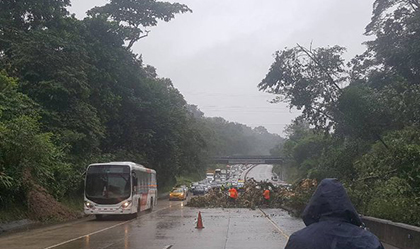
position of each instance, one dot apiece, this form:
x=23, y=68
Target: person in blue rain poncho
x=332, y=222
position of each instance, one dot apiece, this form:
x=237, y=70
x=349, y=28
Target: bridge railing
x=398, y=235
x=248, y=160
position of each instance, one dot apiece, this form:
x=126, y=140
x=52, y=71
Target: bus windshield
x=108, y=184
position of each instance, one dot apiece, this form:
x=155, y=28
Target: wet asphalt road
x=170, y=225
x=261, y=172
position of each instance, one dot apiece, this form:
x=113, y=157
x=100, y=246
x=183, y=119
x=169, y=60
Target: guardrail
x=399, y=235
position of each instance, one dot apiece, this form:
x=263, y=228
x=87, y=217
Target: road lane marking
x=100, y=231
x=83, y=236
x=274, y=224
x=227, y=232
x=168, y=247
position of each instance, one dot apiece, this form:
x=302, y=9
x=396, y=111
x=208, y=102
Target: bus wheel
x=99, y=216
x=138, y=208
x=152, y=204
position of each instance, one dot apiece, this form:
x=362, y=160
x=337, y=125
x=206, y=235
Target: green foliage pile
x=293, y=199
x=360, y=120
x=73, y=93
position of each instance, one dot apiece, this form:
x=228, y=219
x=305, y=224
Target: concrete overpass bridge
x=252, y=159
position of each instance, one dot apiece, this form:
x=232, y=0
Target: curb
x=15, y=225
x=27, y=224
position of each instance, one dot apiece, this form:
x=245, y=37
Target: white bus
x=119, y=188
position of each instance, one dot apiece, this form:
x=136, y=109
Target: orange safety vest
x=233, y=193
x=266, y=194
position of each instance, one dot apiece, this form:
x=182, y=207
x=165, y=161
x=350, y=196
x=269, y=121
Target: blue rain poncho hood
x=330, y=201
x=332, y=222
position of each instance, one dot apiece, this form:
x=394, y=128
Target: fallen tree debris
x=292, y=198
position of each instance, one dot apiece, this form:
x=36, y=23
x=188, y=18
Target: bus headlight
x=126, y=204
x=89, y=205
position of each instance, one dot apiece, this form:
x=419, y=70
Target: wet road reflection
x=126, y=237
x=229, y=228
x=172, y=223
x=87, y=241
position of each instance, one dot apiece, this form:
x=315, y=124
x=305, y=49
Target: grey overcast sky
x=218, y=54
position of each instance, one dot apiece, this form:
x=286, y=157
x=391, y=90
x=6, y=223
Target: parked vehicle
x=207, y=188
x=199, y=190
x=210, y=176
x=186, y=189
x=193, y=186
x=217, y=173
x=178, y=194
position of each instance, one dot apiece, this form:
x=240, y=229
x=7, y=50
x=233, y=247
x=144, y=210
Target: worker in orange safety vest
x=233, y=195
x=266, y=196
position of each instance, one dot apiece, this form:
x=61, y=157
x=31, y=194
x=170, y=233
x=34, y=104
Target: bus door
x=144, y=189
x=135, y=189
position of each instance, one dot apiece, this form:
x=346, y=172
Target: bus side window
x=143, y=181
x=135, y=182
x=153, y=179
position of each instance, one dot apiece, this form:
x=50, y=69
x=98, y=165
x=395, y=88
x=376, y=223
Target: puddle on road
x=168, y=225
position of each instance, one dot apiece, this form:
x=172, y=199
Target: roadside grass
x=13, y=212
x=74, y=203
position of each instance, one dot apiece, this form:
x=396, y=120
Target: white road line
x=168, y=247
x=275, y=225
x=227, y=232
x=80, y=237
x=99, y=231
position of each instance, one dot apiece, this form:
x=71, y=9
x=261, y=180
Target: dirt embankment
x=42, y=206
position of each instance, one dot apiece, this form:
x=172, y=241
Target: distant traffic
x=234, y=176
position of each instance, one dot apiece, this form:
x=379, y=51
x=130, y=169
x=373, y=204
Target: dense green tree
x=395, y=24
x=389, y=179
x=25, y=15
x=362, y=113
x=308, y=80
x=25, y=151
x=372, y=119
x=135, y=16
x=53, y=69
x=228, y=138
x=82, y=97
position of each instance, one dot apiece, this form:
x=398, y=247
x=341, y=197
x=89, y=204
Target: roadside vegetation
x=360, y=119
x=72, y=92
